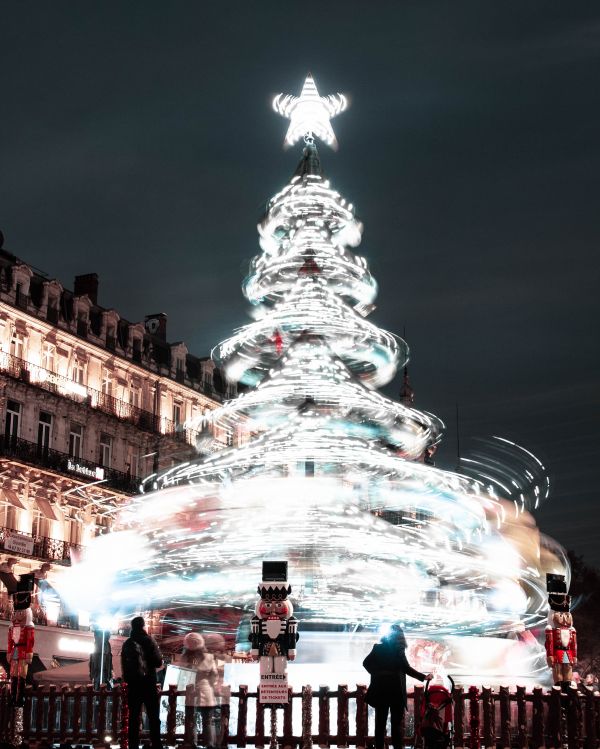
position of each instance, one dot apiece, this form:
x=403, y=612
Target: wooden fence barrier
x=482, y=719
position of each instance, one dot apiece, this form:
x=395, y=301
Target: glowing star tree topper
x=309, y=114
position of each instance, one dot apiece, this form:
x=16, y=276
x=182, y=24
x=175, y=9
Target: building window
x=135, y=396
x=105, y=450
x=75, y=532
x=229, y=438
x=133, y=461
x=177, y=409
x=102, y=525
x=40, y=525
x=48, y=356
x=52, y=313
x=17, y=344
x=111, y=338
x=78, y=372
x=76, y=441
x=137, y=350
x=44, y=427
x=106, y=382
x=8, y=516
x=13, y=420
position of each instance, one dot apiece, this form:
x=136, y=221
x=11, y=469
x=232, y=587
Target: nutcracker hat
x=22, y=595
x=274, y=585
x=558, y=598
x=555, y=583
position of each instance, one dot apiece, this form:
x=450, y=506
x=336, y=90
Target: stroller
x=436, y=716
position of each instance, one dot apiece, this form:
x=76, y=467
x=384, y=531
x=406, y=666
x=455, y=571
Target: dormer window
x=82, y=324
x=52, y=311
x=111, y=338
x=137, y=349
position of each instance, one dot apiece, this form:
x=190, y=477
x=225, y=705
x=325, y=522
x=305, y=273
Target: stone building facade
x=89, y=404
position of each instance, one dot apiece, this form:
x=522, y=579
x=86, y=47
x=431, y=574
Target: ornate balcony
x=31, y=452
x=46, y=549
x=20, y=369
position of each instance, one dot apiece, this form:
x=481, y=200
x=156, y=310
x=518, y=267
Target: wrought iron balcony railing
x=23, y=370
x=48, y=549
x=32, y=452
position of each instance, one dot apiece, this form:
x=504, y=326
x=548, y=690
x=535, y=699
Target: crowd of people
x=141, y=660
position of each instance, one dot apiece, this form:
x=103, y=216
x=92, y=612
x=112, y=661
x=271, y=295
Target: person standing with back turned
x=140, y=657
x=389, y=667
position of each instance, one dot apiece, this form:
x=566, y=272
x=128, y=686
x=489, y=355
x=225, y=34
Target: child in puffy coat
x=195, y=656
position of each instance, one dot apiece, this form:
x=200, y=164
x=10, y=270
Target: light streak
x=328, y=473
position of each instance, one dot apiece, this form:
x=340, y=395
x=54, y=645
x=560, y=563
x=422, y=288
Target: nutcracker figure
x=561, y=636
x=273, y=630
x=20, y=639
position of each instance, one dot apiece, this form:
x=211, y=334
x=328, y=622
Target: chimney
x=156, y=325
x=87, y=284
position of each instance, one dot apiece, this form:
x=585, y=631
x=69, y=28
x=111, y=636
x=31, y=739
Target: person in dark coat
x=388, y=667
x=101, y=663
x=140, y=657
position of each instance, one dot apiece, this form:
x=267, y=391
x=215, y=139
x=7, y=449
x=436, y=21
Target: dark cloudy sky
x=136, y=140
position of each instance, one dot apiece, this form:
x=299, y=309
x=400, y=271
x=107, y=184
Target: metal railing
x=323, y=717
x=32, y=452
x=33, y=374
x=48, y=549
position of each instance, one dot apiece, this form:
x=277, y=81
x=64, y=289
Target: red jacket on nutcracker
x=22, y=639
x=561, y=639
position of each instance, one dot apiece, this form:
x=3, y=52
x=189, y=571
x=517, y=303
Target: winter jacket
x=140, y=657
x=206, y=685
x=388, y=667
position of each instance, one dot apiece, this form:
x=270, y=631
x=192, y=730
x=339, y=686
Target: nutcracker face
x=562, y=619
x=280, y=609
x=22, y=618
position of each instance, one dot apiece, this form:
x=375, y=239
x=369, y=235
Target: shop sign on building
x=96, y=473
x=18, y=543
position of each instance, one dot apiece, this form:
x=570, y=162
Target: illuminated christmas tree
x=325, y=471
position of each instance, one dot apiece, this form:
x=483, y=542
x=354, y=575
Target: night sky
x=137, y=141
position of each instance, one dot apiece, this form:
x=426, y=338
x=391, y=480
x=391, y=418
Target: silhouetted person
x=101, y=664
x=140, y=657
x=388, y=667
